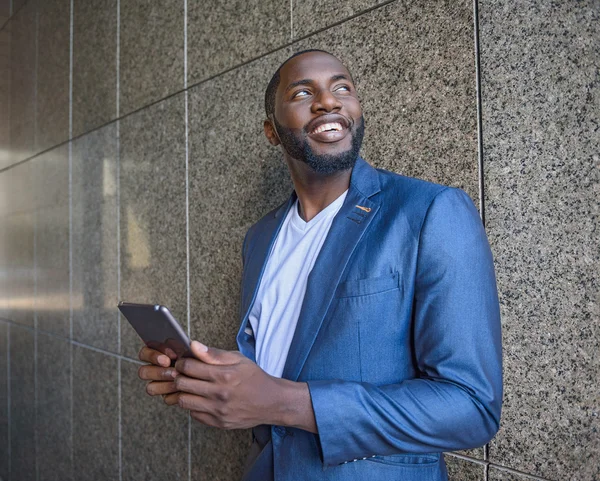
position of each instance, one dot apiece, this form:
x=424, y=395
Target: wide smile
x=329, y=128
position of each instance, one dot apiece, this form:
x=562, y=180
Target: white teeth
x=333, y=126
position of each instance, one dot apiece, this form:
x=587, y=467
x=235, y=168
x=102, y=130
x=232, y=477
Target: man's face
x=317, y=113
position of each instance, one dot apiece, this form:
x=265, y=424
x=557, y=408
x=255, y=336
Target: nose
x=326, y=101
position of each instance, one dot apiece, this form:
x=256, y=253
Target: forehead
x=311, y=66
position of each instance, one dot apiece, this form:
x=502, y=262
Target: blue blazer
x=398, y=337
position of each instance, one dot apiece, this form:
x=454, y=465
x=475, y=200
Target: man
x=370, y=334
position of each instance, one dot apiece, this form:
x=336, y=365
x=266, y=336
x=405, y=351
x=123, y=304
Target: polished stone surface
x=94, y=64
x=22, y=82
x=415, y=75
x=51, y=180
x=5, y=75
x=53, y=408
x=95, y=415
x=151, y=52
x=22, y=413
x=498, y=475
x=4, y=432
x=312, y=15
x=17, y=4
x=229, y=33
x=461, y=470
x=52, y=73
x=540, y=121
x=94, y=237
x=219, y=452
x=154, y=435
x=18, y=238
x=152, y=212
x=18, y=243
x=234, y=181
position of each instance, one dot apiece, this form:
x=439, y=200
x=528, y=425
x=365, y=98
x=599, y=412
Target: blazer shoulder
x=412, y=198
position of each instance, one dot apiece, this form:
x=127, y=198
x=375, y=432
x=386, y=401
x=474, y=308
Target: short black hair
x=274, y=83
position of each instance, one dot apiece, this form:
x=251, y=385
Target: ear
x=270, y=132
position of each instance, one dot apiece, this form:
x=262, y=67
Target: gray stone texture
x=53, y=408
x=222, y=35
x=5, y=78
x=51, y=181
x=4, y=419
x=312, y=15
x=151, y=52
x=540, y=122
x=52, y=73
x=18, y=240
x=20, y=289
x=152, y=212
x=94, y=226
x=94, y=64
x=236, y=176
x=217, y=454
x=495, y=474
x=463, y=470
x=17, y=4
x=95, y=415
x=22, y=82
x=22, y=405
x=154, y=435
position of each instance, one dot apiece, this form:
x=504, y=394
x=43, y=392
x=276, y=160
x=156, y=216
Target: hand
x=225, y=389
x=159, y=372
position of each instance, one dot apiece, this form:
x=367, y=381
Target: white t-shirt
x=276, y=309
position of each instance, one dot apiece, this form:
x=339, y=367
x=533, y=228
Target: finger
x=212, y=355
x=156, y=373
x=163, y=347
x=154, y=357
x=191, y=402
x=205, y=418
x=160, y=387
x=195, y=386
x=200, y=370
x=171, y=399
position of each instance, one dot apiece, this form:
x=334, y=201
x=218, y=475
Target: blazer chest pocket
x=365, y=287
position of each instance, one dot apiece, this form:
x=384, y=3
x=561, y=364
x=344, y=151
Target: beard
x=295, y=143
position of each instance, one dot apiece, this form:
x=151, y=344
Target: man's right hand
x=159, y=372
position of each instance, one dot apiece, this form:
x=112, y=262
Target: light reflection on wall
x=138, y=245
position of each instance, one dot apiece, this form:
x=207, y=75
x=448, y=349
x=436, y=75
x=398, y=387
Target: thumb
x=212, y=355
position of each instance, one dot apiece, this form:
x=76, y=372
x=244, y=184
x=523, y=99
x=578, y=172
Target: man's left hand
x=225, y=389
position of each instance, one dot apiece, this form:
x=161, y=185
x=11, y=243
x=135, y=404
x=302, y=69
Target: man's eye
x=343, y=87
x=299, y=94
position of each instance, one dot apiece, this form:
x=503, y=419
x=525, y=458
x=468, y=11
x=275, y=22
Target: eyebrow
x=307, y=81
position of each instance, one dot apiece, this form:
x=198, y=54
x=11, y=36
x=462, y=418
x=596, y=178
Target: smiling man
x=370, y=329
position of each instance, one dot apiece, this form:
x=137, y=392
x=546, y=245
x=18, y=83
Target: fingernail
x=200, y=346
x=162, y=359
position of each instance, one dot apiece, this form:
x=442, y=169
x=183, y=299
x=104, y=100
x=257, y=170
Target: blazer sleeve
x=455, y=403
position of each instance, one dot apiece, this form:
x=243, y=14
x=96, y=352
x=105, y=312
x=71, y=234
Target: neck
x=316, y=191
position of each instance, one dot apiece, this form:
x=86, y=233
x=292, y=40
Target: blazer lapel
x=256, y=261
x=346, y=230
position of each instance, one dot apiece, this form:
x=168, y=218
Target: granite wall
x=132, y=161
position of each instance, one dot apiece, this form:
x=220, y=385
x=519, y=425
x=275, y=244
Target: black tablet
x=157, y=327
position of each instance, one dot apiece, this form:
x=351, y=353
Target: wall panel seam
x=71, y=454
x=118, y=220
x=479, y=110
x=499, y=467
x=8, y=395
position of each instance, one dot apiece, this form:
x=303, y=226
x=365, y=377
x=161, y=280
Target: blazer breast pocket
x=366, y=287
